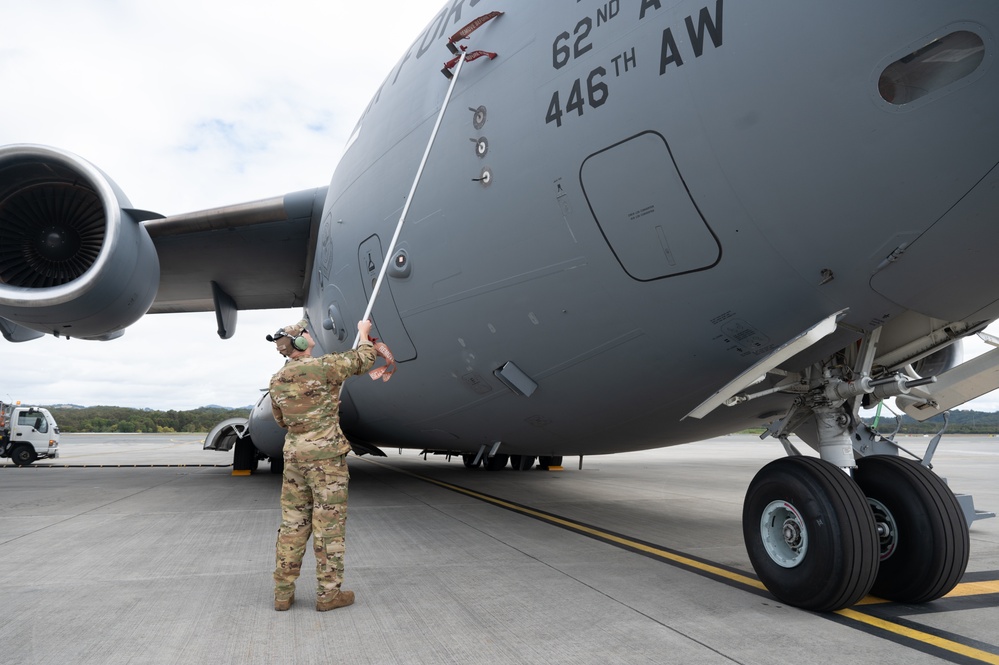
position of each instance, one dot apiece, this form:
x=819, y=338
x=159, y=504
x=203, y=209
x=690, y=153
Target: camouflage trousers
x=313, y=500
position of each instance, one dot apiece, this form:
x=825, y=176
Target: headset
x=298, y=343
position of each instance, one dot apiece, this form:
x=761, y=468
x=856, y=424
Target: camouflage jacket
x=305, y=400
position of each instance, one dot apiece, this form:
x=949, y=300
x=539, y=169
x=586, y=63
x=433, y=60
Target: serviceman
x=305, y=400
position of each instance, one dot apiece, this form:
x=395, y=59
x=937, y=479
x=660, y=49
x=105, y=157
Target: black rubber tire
x=277, y=465
x=469, y=461
x=546, y=463
x=496, y=462
x=840, y=563
x=23, y=454
x=244, y=457
x=931, y=545
x=521, y=462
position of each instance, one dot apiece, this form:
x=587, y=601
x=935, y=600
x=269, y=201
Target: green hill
x=72, y=418
x=126, y=420
x=961, y=422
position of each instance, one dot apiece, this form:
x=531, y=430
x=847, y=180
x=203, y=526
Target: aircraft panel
x=641, y=203
x=385, y=315
x=970, y=231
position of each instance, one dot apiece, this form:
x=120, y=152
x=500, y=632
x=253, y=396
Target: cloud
x=188, y=105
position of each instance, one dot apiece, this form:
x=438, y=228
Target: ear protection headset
x=300, y=343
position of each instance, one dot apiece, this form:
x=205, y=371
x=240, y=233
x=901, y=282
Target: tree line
x=130, y=421
x=960, y=422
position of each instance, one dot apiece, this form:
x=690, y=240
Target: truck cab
x=28, y=433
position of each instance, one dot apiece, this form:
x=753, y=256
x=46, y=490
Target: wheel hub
x=785, y=537
x=886, y=527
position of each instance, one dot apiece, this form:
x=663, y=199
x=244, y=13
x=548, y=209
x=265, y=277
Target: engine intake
x=74, y=259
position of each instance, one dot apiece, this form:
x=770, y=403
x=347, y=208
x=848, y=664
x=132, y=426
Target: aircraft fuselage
x=634, y=202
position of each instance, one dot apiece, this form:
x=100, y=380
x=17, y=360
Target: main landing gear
x=824, y=532
x=810, y=534
x=821, y=540
x=922, y=531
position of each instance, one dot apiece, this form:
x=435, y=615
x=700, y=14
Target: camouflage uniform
x=305, y=400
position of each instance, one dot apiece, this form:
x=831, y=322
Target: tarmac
x=635, y=558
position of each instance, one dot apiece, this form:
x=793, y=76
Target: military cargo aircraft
x=608, y=225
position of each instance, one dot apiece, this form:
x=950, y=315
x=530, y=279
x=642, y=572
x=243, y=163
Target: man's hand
x=364, y=328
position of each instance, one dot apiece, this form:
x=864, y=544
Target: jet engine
x=74, y=259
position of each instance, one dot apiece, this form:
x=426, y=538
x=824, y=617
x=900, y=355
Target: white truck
x=27, y=433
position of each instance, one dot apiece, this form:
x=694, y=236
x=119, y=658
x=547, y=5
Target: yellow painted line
x=974, y=589
x=920, y=636
x=966, y=589
x=575, y=526
x=962, y=590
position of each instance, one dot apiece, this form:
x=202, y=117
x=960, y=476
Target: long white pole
x=409, y=199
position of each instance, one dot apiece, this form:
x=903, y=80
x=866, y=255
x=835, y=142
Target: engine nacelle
x=267, y=435
x=260, y=429
x=74, y=259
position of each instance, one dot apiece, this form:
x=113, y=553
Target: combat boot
x=283, y=604
x=342, y=599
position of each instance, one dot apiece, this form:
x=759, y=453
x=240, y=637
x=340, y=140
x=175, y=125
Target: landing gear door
x=388, y=324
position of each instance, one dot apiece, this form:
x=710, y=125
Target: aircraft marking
x=593, y=90
x=670, y=54
x=937, y=643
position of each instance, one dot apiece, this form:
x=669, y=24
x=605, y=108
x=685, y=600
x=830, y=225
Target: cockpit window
x=936, y=65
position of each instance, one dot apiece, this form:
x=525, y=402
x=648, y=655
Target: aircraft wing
x=78, y=260
x=255, y=255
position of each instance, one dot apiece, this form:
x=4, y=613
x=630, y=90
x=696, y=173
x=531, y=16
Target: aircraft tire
x=496, y=462
x=277, y=465
x=469, y=461
x=521, y=462
x=810, y=534
x=244, y=457
x=23, y=455
x=547, y=462
x=925, y=545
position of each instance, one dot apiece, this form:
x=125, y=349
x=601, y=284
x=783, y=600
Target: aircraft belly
x=600, y=381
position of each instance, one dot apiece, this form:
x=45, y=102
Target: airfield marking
x=921, y=640
x=923, y=637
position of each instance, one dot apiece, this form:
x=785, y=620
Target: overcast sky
x=187, y=105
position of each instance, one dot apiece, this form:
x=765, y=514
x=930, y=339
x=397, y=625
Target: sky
x=190, y=105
